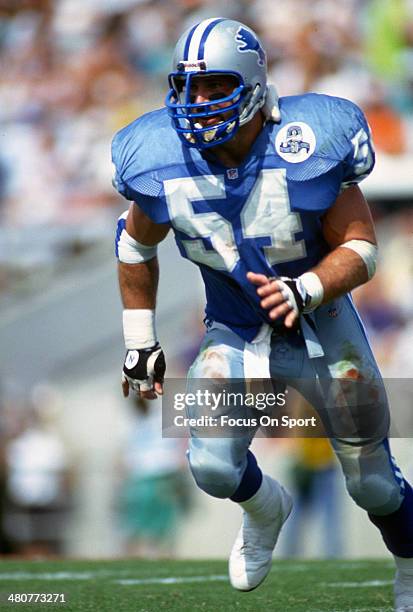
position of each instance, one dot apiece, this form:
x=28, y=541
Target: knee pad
x=213, y=474
x=375, y=493
x=373, y=479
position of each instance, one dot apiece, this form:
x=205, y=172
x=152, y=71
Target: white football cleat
x=403, y=591
x=264, y=515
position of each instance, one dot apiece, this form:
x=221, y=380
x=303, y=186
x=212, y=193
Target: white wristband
x=314, y=289
x=367, y=251
x=139, y=328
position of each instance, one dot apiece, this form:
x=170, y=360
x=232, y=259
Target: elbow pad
x=127, y=249
x=367, y=251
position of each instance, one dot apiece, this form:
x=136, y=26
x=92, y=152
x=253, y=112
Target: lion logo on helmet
x=248, y=43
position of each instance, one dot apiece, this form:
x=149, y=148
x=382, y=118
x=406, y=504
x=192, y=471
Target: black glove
x=143, y=367
x=295, y=294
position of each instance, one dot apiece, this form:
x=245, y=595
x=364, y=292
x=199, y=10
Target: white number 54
x=266, y=214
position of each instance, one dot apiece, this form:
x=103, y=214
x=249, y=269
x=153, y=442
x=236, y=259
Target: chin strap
x=271, y=109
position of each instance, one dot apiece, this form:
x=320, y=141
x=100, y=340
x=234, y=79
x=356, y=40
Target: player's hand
x=144, y=372
x=281, y=297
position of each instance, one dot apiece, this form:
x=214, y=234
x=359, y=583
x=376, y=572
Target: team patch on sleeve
x=319, y=133
x=295, y=142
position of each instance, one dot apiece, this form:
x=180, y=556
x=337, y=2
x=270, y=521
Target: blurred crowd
x=73, y=72
x=37, y=477
x=42, y=501
x=386, y=302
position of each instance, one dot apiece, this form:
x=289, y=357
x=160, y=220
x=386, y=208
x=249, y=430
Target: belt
x=305, y=326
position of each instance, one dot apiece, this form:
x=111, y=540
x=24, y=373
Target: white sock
x=262, y=504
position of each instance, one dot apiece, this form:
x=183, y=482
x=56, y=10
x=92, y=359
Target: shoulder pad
x=140, y=150
x=319, y=132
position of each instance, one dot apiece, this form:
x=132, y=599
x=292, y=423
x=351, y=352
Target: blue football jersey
x=264, y=215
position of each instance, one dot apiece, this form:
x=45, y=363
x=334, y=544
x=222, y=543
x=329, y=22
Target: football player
x=262, y=195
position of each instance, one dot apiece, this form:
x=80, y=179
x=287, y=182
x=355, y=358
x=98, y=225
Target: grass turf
x=136, y=585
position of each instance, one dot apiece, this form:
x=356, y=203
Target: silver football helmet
x=216, y=46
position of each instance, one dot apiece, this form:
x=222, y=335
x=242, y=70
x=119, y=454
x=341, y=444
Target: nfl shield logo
x=232, y=173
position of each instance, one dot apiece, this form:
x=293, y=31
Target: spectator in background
x=154, y=494
x=386, y=37
x=315, y=483
x=386, y=123
x=38, y=484
x=5, y=546
x=382, y=317
x=388, y=48
x=387, y=319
